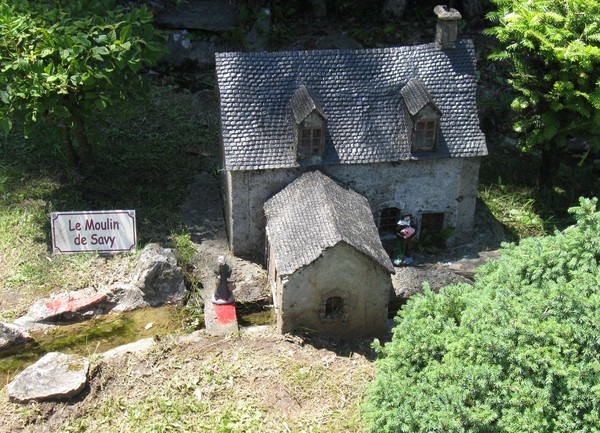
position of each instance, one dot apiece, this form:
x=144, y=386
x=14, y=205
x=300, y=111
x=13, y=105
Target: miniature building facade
x=397, y=125
x=327, y=267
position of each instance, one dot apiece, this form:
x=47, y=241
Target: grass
x=145, y=162
x=235, y=385
x=508, y=187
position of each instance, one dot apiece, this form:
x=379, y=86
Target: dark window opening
x=311, y=142
x=425, y=132
x=334, y=308
x=388, y=218
x=432, y=229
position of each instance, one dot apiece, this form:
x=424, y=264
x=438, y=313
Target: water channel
x=105, y=332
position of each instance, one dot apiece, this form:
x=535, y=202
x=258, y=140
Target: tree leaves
x=516, y=352
x=71, y=48
x=559, y=41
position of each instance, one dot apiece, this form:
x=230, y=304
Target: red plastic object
x=225, y=313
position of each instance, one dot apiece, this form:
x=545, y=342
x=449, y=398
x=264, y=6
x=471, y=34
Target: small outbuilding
x=327, y=268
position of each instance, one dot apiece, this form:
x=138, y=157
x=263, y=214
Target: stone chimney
x=446, y=32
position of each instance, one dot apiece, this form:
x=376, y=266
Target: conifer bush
x=519, y=351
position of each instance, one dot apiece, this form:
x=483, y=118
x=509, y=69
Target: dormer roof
x=360, y=92
x=416, y=97
x=305, y=102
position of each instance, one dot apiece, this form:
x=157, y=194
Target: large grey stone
x=395, y=8
x=200, y=15
x=55, y=376
x=11, y=336
x=135, y=347
x=158, y=276
x=70, y=305
x=127, y=297
x=182, y=52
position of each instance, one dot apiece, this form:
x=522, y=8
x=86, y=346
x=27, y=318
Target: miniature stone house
x=397, y=125
x=327, y=267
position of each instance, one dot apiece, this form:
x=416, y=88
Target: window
x=388, y=218
x=425, y=132
x=310, y=125
x=432, y=228
x=311, y=142
x=334, y=308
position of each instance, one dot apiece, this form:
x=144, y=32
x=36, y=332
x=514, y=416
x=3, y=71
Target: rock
x=127, y=298
x=67, y=306
x=395, y=8
x=55, y=376
x=11, y=336
x=158, y=277
x=185, y=53
x=340, y=41
x=135, y=347
x=409, y=280
x=220, y=319
x=199, y=15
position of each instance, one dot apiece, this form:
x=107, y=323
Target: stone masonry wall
x=341, y=272
x=442, y=185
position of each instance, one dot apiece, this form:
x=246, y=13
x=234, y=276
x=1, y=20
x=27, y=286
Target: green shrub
x=516, y=352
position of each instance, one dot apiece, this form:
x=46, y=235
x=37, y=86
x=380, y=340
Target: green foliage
x=553, y=49
x=516, y=352
x=165, y=136
x=62, y=60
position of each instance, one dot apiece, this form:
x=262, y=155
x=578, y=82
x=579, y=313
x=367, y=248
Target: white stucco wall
x=442, y=185
x=340, y=271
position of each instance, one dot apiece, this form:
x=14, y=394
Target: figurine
x=223, y=290
x=405, y=233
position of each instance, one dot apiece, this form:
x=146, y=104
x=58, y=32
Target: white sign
x=103, y=231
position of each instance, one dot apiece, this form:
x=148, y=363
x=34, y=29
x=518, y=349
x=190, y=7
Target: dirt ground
x=251, y=382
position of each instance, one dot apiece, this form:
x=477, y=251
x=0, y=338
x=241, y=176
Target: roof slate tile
x=359, y=90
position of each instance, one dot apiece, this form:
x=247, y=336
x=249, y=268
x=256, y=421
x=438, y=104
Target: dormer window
x=311, y=137
x=310, y=125
x=422, y=116
x=425, y=135
x=311, y=141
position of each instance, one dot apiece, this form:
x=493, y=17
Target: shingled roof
x=360, y=92
x=314, y=213
x=416, y=96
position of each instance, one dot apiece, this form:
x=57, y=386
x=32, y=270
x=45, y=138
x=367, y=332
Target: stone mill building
x=397, y=126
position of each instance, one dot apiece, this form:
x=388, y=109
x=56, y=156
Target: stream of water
x=106, y=332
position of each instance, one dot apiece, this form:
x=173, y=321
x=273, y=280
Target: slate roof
x=416, y=96
x=360, y=93
x=312, y=214
x=303, y=103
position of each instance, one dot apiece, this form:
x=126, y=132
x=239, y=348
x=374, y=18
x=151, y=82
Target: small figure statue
x=404, y=236
x=223, y=290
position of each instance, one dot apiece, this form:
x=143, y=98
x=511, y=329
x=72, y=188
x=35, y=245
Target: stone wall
x=342, y=272
x=441, y=185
